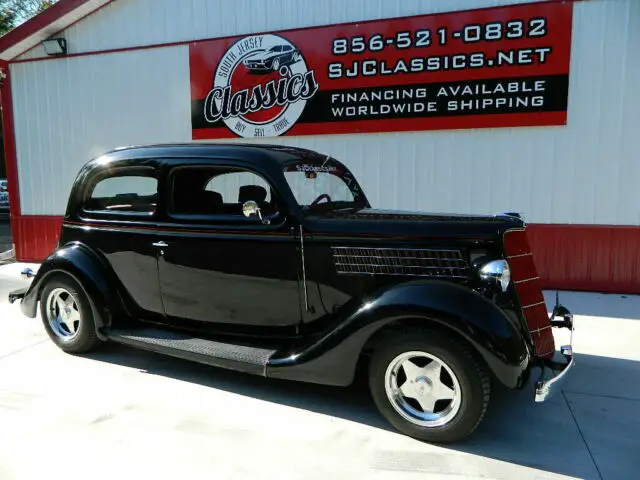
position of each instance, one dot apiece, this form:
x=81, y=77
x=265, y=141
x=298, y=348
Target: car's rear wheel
x=67, y=315
x=429, y=385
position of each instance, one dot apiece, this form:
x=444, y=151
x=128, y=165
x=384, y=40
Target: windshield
x=327, y=185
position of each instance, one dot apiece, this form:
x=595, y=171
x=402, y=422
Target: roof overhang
x=54, y=19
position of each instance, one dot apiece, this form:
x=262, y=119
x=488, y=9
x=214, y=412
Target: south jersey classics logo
x=260, y=87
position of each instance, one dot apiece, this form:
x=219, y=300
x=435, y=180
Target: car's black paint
x=254, y=277
x=322, y=320
x=89, y=270
x=332, y=356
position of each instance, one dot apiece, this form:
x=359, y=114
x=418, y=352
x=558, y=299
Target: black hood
x=411, y=224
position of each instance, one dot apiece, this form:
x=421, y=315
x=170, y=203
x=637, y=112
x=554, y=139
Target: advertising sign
x=493, y=67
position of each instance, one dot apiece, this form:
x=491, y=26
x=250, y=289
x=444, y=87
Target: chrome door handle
x=160, y=244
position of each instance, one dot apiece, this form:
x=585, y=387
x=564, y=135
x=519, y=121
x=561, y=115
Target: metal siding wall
x=120, y=24
x=69, y=110
x=583, y=173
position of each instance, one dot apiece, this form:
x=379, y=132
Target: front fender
x=78, y=262
x=332, y=358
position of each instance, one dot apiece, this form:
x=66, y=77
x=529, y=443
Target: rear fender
x=332, y=358
x=85, y=267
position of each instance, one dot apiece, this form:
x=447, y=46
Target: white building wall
x=130, y=23
x=68, y=110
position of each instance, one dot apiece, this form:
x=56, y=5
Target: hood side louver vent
x=400, y=261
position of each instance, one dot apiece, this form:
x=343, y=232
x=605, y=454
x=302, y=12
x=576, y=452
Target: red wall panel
x=603, y=258
x=35, y=237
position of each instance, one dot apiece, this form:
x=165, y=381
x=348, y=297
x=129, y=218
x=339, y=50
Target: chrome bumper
x=545, y=388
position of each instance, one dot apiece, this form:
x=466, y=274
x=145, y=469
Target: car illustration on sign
x=271, y=260
x=272, y=59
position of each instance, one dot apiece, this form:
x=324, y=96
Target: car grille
x=400, y=261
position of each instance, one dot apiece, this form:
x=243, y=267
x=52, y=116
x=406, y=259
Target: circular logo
x=260, y=87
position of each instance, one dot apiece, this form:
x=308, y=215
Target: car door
x=218, y=267
x=120, y=212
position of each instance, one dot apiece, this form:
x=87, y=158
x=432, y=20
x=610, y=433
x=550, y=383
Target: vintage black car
x=272, y=59
x=270, y=260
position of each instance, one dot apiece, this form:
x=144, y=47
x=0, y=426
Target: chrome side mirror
x=250, y=208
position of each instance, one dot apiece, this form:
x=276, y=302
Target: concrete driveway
x=124, y=413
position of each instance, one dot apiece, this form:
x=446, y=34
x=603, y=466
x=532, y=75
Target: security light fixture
x=55, y=46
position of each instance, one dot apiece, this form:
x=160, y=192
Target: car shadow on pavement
x=547, y=436
x=610, y=305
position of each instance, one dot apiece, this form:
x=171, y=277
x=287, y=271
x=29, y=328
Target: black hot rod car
x=270, y=260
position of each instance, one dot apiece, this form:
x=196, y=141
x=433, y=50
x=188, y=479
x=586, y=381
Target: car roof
x=275, y=155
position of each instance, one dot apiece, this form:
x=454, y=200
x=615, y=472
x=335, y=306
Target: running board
x=225, y=355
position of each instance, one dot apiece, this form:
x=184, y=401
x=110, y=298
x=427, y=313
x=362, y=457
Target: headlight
x=497, y=271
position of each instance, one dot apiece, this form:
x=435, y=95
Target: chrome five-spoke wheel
x=63, y=314
x=67, y=314
x=423, y=389
x=429, y=384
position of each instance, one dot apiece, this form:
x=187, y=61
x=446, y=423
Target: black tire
x=472, y=375
x=86, y=338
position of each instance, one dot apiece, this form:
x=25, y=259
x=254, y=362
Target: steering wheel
x=320, y=197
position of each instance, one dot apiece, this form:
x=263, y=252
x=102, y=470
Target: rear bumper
x=26, y=295
x=544, y=389
x=17, y=294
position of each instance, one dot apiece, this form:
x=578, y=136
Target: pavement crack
x=23, y=349
x=584, y=440
x=615, y=397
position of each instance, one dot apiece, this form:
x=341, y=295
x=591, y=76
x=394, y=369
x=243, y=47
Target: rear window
x=124, y=193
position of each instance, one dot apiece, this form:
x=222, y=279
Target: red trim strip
x=160, y=230
x=415, y=124
x=600, y=258
x=39, y=22
x=57, y=32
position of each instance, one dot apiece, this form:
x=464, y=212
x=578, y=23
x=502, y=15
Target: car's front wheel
x=429, y=385
x=67, y=315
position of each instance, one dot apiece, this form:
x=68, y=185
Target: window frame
x=223, y=219
x=131, y=171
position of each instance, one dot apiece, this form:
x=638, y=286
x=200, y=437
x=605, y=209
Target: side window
x=219, y=191
x=124, y=193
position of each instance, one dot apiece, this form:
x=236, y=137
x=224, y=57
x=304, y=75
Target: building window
x=124, y=193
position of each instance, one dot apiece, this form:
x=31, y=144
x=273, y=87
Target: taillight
x=529, y=290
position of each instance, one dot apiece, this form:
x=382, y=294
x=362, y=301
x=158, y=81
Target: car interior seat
x=256, y=193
